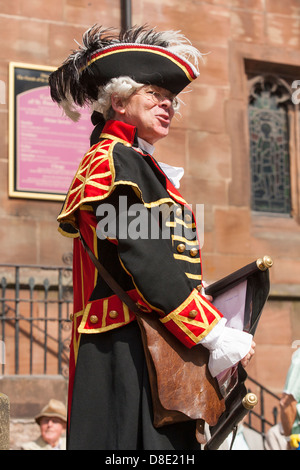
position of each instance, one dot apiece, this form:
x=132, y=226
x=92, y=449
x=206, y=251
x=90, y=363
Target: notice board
x=45, y=147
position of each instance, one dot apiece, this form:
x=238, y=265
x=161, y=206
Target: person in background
x=245, y=439
x=290, y=403
x=285, y=435
x=275, y=438
x=52, y=421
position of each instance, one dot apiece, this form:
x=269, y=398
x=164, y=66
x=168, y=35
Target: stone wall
x=4, y=421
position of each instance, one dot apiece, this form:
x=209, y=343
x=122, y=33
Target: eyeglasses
x=158, y=97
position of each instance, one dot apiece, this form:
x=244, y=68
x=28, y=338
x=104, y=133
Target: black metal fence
x=35, y=328
x=265, y=414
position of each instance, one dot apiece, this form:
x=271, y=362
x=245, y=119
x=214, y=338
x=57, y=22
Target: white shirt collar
x=174, y=173
x=144, y=145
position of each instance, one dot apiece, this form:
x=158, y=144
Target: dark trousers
x=111, y=405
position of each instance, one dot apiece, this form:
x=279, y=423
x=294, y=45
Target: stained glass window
x=269, y=146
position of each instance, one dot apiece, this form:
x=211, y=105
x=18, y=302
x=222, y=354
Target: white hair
x=122, y=87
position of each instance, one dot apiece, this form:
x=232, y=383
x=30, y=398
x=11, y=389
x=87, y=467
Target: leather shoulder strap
x=110, y=281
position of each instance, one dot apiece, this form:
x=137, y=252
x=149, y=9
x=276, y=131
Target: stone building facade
x=241, y=40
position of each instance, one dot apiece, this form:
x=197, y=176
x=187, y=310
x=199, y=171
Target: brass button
x=178, y=212
x=93, y=318
x=71, y=317
x=181, y=247
x=113, y=314
x=188, y=218
x=194, y=252
x=193, y=313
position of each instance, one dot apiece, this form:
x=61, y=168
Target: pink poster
x=49, y=146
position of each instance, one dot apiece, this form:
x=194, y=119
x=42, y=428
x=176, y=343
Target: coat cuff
x=192, y=320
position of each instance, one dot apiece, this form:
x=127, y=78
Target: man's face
x=51, y=429
x=151, y=110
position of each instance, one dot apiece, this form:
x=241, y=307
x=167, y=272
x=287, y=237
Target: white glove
x=227, y=347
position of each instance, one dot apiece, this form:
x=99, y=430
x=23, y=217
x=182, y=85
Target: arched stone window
x=270, y=134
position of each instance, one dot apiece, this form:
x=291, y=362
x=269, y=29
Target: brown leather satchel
x=181, y=386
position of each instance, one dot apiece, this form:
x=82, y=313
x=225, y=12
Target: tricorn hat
x=146, y=56
x=53, y=409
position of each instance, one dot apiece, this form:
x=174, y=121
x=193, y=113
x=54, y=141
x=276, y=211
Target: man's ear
x=117, y=104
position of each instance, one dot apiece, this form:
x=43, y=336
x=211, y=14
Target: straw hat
x=55, y=409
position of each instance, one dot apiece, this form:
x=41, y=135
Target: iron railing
x=35, y=328
x=35, y=307
x=265, y=414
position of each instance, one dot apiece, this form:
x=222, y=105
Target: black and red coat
x=160, y=269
